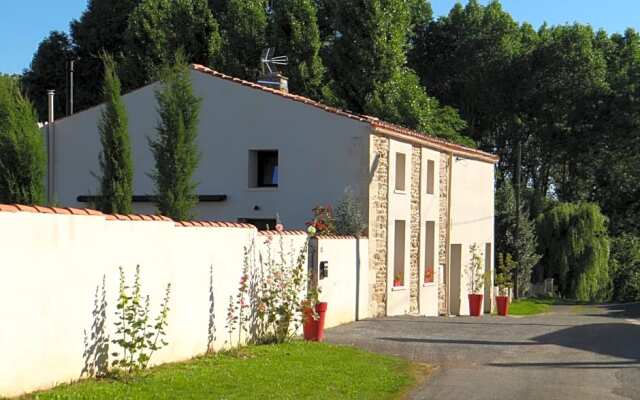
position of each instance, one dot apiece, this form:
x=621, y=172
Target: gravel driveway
x=574, y=352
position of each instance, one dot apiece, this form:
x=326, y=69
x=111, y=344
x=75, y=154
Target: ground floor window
x=429, y=252
x=398, y=253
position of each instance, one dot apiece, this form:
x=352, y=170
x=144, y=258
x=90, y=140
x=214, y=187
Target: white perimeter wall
x=472, y=215
x=51, y=265
x=320, y=153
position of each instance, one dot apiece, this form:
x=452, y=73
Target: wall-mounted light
x=256, y=208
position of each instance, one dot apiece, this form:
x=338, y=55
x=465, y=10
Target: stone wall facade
x=414, y=249
x=442, y=232
x=378, y=223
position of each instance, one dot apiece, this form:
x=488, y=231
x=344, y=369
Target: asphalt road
x=575, y=352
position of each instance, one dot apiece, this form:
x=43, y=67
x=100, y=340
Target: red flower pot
x=321, y=309
x=503, y=305
x=397, y=282
x=313, y=329
x=475, y=304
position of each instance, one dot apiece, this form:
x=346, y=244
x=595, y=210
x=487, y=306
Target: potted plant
x=313, y=316
x=397, y=280
x=504, y=281
x=476, y=280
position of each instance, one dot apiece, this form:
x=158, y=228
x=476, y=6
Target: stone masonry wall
x=414, y=250
x=442, y=233
x=378, y=223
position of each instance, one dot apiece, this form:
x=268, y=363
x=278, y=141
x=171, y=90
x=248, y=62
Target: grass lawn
x=530, y=306
x=292, y=371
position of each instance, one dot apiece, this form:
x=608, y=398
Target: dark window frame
x=263, y=157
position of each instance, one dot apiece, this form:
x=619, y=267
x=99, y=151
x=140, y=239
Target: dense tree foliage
x=116, y=163
x=575, y=250
x=101, y=28
x=293, y=31
x=625, y=268
x=174, y=147
x=243, y=26
x=368, y=62
x=22, y=154
x=48, y=71
x=159, y=28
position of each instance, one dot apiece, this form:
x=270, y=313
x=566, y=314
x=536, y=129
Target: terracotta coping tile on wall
x=8, y=208
x=26, y=208
x=45, y=210
x=342, y=237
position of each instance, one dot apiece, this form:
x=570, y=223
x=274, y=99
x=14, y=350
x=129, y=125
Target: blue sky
x=24, y=23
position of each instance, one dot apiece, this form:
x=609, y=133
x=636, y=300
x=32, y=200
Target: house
x=267, y=153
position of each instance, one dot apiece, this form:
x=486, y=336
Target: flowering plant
x=323, y=220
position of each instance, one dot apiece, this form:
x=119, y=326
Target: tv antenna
x=270, y=62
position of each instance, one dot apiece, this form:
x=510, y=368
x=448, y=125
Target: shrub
x=348, y=216
x=323, y=221
x=138, y=334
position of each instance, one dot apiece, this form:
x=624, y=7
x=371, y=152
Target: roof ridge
x=375, y=122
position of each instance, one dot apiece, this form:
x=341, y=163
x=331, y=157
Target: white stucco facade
x=319, y=152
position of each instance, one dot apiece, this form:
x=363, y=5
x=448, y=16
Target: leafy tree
x=48, y=71
x=625, y=268
x=243, y=27
x=22, y=151
x=462, y=59
x=175, y=147
x=159, y=28
x=101, y=28
x=116, y=164
x=368, y=64
x=575, y=250
x=517, y=239
x=293, y=31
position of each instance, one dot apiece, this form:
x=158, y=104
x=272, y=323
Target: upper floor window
x=401, y=160
x=263, y=168
x=431, y=172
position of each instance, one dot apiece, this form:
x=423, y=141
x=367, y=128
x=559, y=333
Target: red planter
x=397, y=283
x=503, y=305
x=475, y=304
x=313, y=329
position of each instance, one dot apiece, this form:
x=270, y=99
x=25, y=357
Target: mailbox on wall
x=324, y=269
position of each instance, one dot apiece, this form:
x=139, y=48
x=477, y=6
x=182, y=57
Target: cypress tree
x=294, y=32
x=174, y=147
x=22, y=151
x=116, y=164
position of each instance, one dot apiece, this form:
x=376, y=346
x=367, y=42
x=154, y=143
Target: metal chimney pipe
x=50, y=147
x=71, y=70
x=51, y=94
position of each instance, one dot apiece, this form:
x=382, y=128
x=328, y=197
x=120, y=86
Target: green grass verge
x=291, y=371
x=530, y=306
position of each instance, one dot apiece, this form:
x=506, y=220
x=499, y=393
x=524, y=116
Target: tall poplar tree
x=116, y=163
x=101, y=28
x=293, y=31
x=243, y=27
x=22, y=151
x=159, y=28
x=174, y=146
x=368, y=63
